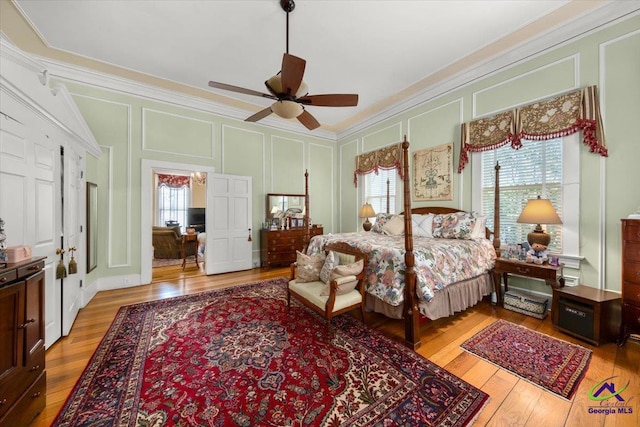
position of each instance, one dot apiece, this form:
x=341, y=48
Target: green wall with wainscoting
x=609, y=187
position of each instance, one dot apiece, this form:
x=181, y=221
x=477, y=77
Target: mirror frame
x=268, y=202
x=92, y=226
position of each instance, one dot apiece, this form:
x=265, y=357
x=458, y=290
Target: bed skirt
x=454, y=298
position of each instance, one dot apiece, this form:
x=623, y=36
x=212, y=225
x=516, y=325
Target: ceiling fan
x=289, y=91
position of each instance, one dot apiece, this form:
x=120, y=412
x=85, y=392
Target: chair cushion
x=309, y=267
x=330, y=263
x=345, y=284
x=311, y=292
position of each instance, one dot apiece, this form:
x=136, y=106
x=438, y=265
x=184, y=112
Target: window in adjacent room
x=376, y=190
x=172, y=201
x=546, y=168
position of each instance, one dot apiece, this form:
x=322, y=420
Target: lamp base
x=539, y=236
x=367, y=225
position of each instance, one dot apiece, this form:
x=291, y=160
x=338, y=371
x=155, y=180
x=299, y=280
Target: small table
x=188, y=238
x=552, y=275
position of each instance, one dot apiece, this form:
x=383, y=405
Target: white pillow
x=479, y=231
x=331, y=261
x=422, y=225
x=395, y=226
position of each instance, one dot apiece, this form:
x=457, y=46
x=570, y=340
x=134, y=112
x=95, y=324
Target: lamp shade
x=539, y=211
x=275, y=210
x=366, y=211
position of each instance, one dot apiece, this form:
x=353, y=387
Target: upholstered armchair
x=167, y=243
x=330, y=283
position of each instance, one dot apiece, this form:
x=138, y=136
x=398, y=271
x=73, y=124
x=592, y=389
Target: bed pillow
x=309, y=267
x=331, y=261
x=395, y=226
x=479, y=229
x=456, y=225
x=381, y=220
x=422, y=225
x=345, y=276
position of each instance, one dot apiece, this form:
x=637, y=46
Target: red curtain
x=173, y=181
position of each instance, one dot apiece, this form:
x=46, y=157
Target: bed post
x=307, y=233
x=410, y=310
x=496, y=212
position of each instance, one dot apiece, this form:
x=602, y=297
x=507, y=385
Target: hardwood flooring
x=514, y=402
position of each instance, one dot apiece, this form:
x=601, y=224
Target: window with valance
x=385, y=158
x=541, y=121
x=173, y=197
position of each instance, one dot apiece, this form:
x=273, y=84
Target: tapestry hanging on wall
x=433, y=173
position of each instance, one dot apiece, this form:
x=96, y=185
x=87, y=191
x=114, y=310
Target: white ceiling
x=385, y=51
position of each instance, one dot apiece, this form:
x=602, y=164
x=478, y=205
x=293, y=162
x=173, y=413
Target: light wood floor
x=513, y=402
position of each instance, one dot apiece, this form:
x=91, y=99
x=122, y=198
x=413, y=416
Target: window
x=376, y=190
x=172, y=204
x=535, y=169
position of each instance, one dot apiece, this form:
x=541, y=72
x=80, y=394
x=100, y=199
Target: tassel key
x=61, y=270
x=73, y=265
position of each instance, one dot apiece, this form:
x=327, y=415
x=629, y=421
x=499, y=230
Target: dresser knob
x=3, y=279
x=3, y=401
x=36, y=394
x=523, y=270
x=34, y=368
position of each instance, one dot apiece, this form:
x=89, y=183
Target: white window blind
x=535, y=169
x=172, y=205
x=376, y=190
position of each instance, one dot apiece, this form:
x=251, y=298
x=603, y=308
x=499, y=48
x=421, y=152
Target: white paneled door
x=229, y=222
x=30, y=204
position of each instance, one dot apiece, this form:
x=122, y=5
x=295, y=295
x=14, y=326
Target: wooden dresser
x=278, y=247
x=630, y=279
x=22, y=374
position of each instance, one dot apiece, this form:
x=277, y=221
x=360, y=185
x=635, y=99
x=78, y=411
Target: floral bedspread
x=439, y=262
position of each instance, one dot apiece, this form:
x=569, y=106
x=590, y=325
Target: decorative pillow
x=479, y=229
x=457, y=225
x=330, y=263
x=381, y=220
x=352, y=269
x=422, y=225
x=309, y=267
x=395, y=226
x=345, y=285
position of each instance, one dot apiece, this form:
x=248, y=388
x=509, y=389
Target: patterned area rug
x=163, y=262
x=238, y=356
x=553, y=364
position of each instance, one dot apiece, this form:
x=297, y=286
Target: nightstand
x=552, y=275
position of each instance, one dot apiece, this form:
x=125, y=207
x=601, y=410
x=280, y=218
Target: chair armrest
x=345, y=279
x=293, y=267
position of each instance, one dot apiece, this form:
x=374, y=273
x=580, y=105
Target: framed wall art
x=433, y=173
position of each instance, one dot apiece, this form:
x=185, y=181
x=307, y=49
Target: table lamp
x=539, y=211
x=366, y=211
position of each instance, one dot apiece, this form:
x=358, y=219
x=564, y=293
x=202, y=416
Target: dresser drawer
x=30, y=269
x=631, y=272
x=8, y=277
x=631, y=231
x=631, y=316
x=631, y=293
x=631, y=251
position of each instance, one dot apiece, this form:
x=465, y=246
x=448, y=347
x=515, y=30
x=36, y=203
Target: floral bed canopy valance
x=173, y=181
x=553, y=118
x=385, y=158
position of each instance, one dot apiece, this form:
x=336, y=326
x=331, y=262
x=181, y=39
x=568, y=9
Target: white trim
x=146, y=169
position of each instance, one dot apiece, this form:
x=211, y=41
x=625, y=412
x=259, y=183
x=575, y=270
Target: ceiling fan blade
x=308, y=120
x=238, y=89
x=292, y=72
x=259, y=115
x=330, y=100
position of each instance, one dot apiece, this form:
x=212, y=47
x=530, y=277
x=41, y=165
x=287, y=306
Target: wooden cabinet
x=22, y=374
x=278, y=247
x=630, y=279
x=552, y=275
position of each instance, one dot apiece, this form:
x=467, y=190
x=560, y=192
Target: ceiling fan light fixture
x=287, y=109
x=274, y=83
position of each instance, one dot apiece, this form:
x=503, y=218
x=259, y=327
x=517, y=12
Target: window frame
x=570, y=197
x=393, y=206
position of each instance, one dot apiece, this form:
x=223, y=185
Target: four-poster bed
x=451, y=275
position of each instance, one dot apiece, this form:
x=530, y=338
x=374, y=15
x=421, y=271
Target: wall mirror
x=280, y=206
x=92, y=226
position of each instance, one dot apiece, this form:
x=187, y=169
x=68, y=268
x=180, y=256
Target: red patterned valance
x=385, y=158
x=173, y=181
x=553, y=118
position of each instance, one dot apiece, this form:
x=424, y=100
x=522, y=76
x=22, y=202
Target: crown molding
x=76, y=74
x=607, y=15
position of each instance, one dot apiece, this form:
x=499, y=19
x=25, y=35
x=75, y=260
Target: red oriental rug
x=239, y=356
x=553, y=364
